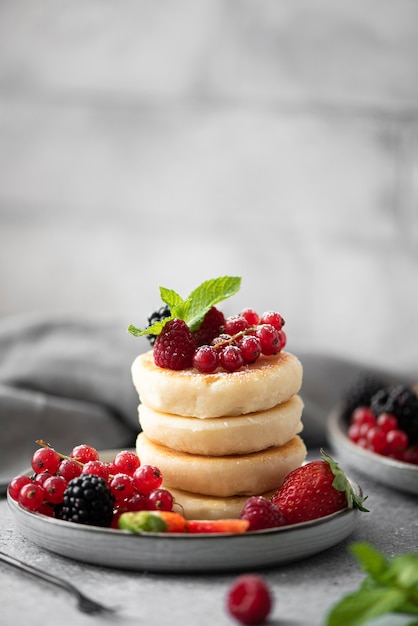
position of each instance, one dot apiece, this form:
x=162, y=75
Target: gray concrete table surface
x=303, y=591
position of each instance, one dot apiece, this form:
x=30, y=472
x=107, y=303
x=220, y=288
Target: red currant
x=147, y=478
x=397, y=442
x=250, y=347
x=160, y=499
x=376, y=440
x=205, y=359
x=54, y=488
x=99, y=468
x=69, y=468
x=231, y=358
x=126, y=462
x=16, y=485
x=273, y=318
x=137, y=502
x=387, y=422
x=282, y=339
x=251, y=316
x=235, y=324
x=45, y=459
x=31, y=496
x=122, y=486
x=84, y=453
x=269, y=339
x=363, y=415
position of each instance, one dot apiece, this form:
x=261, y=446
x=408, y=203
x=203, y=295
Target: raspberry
x=174, y=346
x=262, y=514
x=210, y=327
x=249, y=599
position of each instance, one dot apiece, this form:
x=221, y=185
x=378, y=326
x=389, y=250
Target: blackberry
x=360, y=393
x=157, y=316
x=87, y=500
x=402, y=402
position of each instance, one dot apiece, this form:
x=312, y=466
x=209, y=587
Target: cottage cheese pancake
x=223, y=476
x=220, y=436
x=255, y=387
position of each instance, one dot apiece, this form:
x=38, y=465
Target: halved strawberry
x=314, y=490
x=217, y=526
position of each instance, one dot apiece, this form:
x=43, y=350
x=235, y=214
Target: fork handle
x=38, y=573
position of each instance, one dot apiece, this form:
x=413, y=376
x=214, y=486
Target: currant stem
x=45, y=444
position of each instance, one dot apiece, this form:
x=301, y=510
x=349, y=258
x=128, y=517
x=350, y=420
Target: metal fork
x=84, y=603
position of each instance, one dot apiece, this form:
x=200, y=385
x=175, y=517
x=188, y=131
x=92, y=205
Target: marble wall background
x=147, y=143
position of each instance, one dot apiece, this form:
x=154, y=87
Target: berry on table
x=249, y=599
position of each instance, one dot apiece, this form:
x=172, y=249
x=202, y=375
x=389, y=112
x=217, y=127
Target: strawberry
x=314, y=490
x=174, y=346
x=217, y=526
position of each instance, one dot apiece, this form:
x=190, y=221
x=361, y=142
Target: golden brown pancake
x=270, y=381
x=223, y=476
x=219, y=436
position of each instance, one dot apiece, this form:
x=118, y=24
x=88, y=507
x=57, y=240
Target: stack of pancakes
x=220, y=438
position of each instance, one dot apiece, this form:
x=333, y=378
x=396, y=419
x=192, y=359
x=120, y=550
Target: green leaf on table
x=390, y=586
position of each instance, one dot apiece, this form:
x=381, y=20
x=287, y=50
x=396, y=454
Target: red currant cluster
x=381, y=434
x=134, y=487
x=243, y=339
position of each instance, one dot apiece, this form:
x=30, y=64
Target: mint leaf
x=391, y=586
x=208, y=294
x=194, y=308
x=170, y=297
x=360, y=607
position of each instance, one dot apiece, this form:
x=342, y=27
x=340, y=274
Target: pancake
x=220, y=436
x=222, y=476
x=196, y=506
x=270, y=381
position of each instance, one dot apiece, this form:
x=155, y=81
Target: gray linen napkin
x=67, y=380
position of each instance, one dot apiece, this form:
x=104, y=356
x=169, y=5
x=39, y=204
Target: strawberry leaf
x=341, y=483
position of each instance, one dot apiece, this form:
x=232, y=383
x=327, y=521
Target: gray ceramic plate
x=394, y=474
x=161, y=552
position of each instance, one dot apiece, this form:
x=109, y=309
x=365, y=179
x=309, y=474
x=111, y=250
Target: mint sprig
x=193, y=308
x=391, y=586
